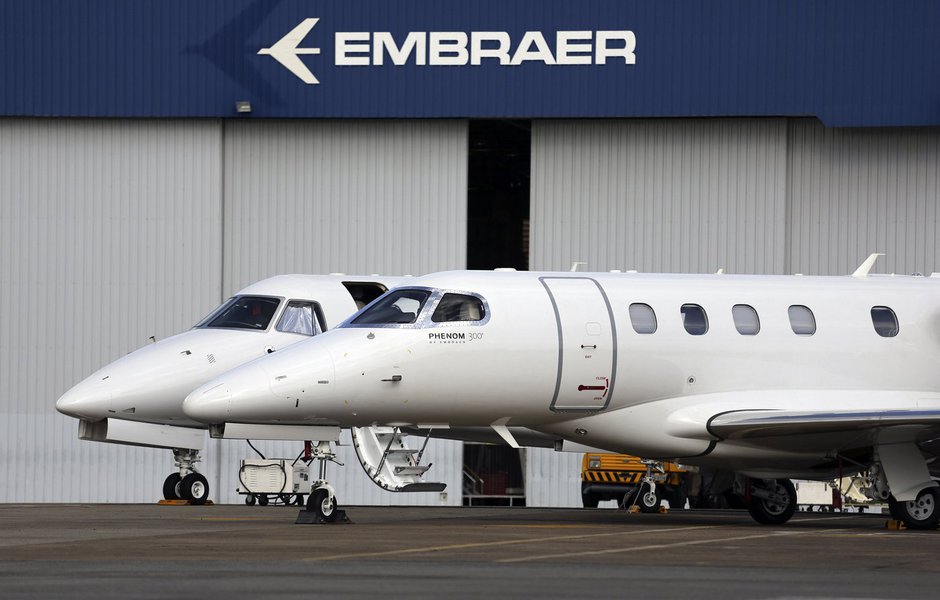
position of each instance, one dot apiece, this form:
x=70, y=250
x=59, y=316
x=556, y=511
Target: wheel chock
x=663, y=510
x=633, y=508
x=311, y=517
x=183, y=503
x=895, y=524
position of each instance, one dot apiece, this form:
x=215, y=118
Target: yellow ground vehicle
x=623, y=478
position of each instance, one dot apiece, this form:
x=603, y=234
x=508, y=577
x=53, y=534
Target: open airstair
x=389, y=463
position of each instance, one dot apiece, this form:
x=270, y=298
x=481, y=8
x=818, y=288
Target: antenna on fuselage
x=865, y=267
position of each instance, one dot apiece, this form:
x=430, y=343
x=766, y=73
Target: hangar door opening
x=497, y=236
x=498, y=194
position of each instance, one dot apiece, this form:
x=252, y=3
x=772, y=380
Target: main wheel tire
x=195, y=488
x=320, y=503
x=171, y=486
x=920, y=513
x=773, y=512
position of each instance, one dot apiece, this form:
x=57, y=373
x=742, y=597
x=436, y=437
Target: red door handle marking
x=582, y=388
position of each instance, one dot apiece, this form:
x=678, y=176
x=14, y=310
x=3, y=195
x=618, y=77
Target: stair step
x=418, y=470
x=423, y=486
x=401, y=451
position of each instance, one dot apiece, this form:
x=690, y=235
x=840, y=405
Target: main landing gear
x=187, y=483
x=900, y=477
x=322, y=506
x=897, y=475
x=770, y=501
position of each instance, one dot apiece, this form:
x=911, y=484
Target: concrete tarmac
x=105, y=552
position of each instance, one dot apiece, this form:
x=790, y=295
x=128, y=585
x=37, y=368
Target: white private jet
x=773, y=377
x=138, y=399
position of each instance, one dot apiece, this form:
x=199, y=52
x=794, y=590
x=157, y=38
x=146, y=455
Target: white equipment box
x=273, y=476
x=813, y=493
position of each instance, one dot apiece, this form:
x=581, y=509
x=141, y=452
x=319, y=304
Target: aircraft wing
x=754, y=424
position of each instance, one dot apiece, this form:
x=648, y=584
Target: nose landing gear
x=322, y=506
x=187, y=483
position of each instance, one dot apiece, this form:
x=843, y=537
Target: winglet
x=865, y=267
x=500, y=427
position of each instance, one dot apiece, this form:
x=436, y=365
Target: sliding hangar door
x=746, y=195
x=112, y=231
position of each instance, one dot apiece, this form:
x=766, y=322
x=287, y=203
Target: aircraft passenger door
x=587, y=343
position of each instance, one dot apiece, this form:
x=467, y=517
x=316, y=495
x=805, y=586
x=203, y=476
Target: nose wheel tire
x=645, y=498
x=171, y=487
x=777, y=510
x=321, y=503
x=920, y=513
x=195, y=488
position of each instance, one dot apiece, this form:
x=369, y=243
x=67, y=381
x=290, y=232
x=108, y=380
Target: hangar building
x=155, y=157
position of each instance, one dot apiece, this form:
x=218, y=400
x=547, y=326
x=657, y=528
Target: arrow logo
x=286, y=52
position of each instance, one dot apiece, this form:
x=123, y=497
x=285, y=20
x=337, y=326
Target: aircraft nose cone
x=209, y=403
x=90, y=399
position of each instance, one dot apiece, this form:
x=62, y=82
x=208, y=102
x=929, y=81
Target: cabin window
x=746, y=320
x=458, y=307
x=643, y=318
x=299, y=317
x=694, y=319
x=802, y=320
x=243, y=312
x=364, y=292
x=885, y=321
x=399, y=307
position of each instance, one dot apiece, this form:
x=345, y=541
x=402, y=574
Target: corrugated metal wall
x=344, y=196
x=552, y=478
x=852, y=192
x=659, y=195
x=112, y=231
x=752, y=196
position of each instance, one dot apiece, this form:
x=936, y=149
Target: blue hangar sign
x=848, y=62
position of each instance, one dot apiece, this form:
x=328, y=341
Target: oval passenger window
x=802, y=320
x=885, y=321
x=643, y=318
x=746, y=320
x=694, y=319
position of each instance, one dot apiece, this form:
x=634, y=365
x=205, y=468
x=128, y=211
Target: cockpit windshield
x=397, y=307
x=243, y=312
